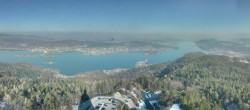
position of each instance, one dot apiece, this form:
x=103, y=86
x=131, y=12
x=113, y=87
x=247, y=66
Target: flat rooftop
x=104, y=103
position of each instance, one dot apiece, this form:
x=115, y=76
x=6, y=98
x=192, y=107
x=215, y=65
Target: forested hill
x=25, y=70
x=208, y=82
x=199, y=65
x=197, y=81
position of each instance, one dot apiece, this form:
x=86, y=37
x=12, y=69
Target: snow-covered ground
x=157, y=92
x=142, y=106
x=133, y=93
x=175, y=107
x=244, y=61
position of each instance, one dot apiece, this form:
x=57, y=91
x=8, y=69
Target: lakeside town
x=47, y=47
x=97, y=51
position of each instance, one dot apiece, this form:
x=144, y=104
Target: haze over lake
x=75, y=62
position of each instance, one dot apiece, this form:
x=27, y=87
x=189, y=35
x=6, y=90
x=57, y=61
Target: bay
x=75, y=62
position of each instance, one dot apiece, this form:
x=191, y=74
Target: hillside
x=25, y=70
x=196, y=81
x=203, y=81
x=236, y=47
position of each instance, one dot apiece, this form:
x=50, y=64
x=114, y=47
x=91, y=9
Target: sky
x=163, y=17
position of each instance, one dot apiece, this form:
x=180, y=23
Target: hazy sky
x=126, y=16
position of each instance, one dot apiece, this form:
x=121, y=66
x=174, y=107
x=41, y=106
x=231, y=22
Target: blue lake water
x=72, y=63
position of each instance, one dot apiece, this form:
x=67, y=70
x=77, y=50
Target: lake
x=75, y=62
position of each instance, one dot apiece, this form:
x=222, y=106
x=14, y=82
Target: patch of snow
x=157, y=92
x=142, y=106
x=149, y=95
x=133, y=93
x=244, y=61
x=175, y=107
x=153, y=102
